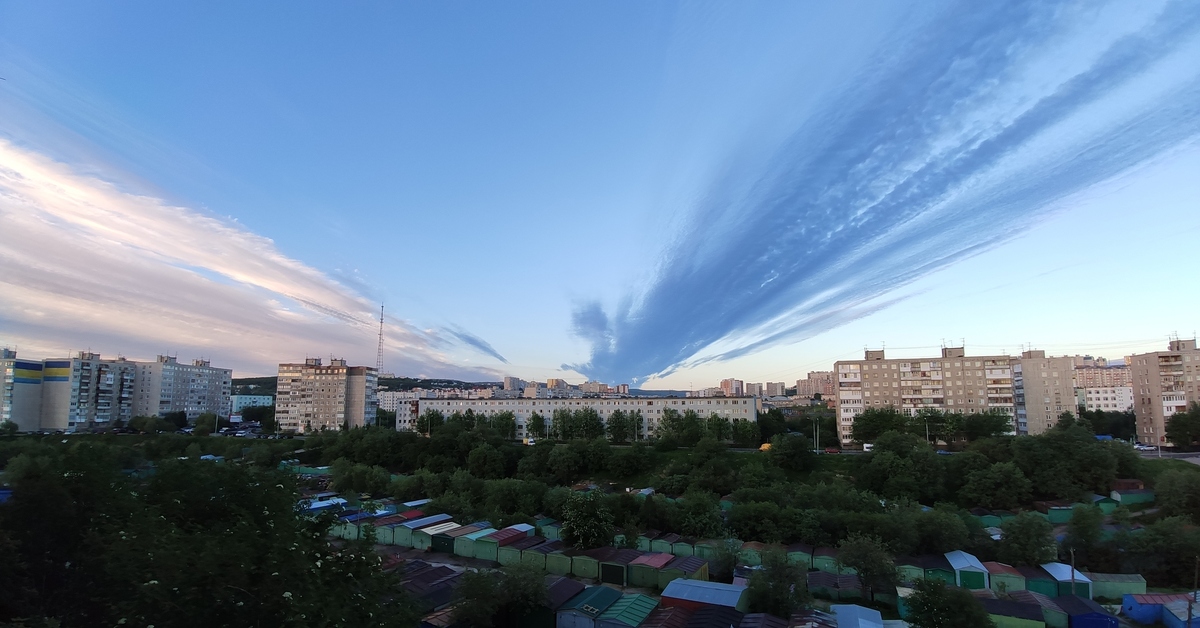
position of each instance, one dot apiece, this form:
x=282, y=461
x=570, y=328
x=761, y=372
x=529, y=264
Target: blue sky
x=617, y=190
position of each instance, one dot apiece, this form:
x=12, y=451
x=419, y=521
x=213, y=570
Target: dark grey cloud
x=940, y=149
x=475, y=342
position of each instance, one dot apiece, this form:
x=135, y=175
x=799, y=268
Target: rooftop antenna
x=379, y=353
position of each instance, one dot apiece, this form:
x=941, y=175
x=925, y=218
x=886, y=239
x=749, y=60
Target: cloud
x=953, y=140
x=474, y=341
x=85, y=264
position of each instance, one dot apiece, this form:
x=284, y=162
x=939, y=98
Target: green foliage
x=870, y=558
x=536, y=425
x=989, y=424
x=1083, y=531
x=1183, y=428
x=429, y=421
x=902, y=466
x=1165, y=552
x=585, y=521
x=152, y=424
x=629, y=461
x=583, y=423
x=779, y=588
x=745, y=433
x=265, y=417
x=725, y=556
x=177, y=419
x=565, y=464
x=1119, y=425
x=873, y=422
x=196, y=543
x=934, y=605
x=1067, y=462
x=1177, y=493
x=620, y=427
x=792, y=453
x=8, y=429
x=1027, y=539
x=359, y=478
x=998, y=487
x=501, y=598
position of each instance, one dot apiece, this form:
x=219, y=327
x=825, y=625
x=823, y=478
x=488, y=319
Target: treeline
x=92, y=534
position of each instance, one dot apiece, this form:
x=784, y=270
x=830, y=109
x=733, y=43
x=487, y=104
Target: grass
x=1154, y=467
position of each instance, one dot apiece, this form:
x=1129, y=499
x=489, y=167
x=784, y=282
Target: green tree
x=8, y=429
x=177, y=418
x=792, y=452
x=618, y=427
x=383, y=418
x=1083, y=531
x=585, y=521
x=987, y=424
x=499, y=599
x=934, y=605
x=718, y=427
x=1026, y=539
x=536, y=425
x=1183, y=428
x=873, y=422
x=429, y=421
x=999, y=487
x=195, y=543
x=565, y=464
x=486, y=462
x=745, y=433
x=1177, y=493
x=869, y=557
x=779, y=588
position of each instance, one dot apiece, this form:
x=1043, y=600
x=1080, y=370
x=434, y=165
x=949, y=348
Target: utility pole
x=1072, y=571
x=379, y=353
x=1192, y=595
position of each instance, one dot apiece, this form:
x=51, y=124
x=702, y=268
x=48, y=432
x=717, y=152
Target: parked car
x=832, y=450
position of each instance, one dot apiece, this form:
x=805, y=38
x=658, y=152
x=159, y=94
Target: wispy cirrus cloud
x=956, y=138
x=85, y=264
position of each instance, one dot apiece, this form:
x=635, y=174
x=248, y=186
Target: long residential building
x=166, y=386
x=1164, y=382
x=818, y=382
x=953, y=382
x=651, y=408
x=20, y=391
x=312, y=396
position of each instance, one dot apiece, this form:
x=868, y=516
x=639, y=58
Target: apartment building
x=87, y=392
x=741, y=409
x=1044, y=389
x=237, y=403
x=1164, y=382
x=776, y=389
x=1103, y=376
x=1104, y=399
x=953, y=382
x=313, y=396
x=732, y=387
x=752, y=390
x=20, y=391
x=165, y=386
x=818, y=382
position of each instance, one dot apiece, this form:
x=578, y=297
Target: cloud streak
x=955, y=139
x=86, y=264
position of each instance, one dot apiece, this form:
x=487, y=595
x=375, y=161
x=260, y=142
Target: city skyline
x=600, y=193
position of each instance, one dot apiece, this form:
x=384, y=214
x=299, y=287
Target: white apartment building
x=742, y=409
x=1108, y=399
x=87, y=392
x=20, y=391
x=954, y=382
x=237, y=403
x=165, y=386
x=312, y=396
x=1164, y=382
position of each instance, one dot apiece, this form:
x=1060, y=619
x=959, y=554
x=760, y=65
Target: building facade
x=1046, y=388
x=87, y=393
x=1105, y=399
x=1102, y=376
x=732, y=387
x=1164, y=382
x=776, y=389
x=165, y=386
x=818, y=382
x=742, y=409
x=20, y=391
x=237, y=403
x=311, y=396
x=953, y=382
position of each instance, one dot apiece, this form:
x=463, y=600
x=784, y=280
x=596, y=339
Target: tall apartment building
x=165, y=386
x=1045, y=388
x=20, y=391
x=954, y=382
x=776, y=389
x=514, y=383
x=738, y=409
x=752, y=390
x=312, y=396
x=1102, y=376
x=1164, y=382
x=732, y=387
x=87, y=392
x=818, y=382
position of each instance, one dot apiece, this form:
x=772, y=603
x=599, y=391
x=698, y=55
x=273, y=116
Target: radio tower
x=379, y=354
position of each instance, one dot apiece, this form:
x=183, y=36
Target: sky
x=660, y=193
